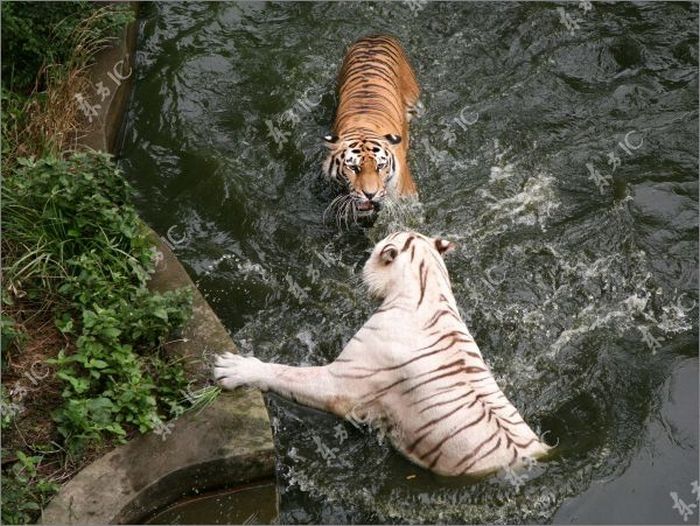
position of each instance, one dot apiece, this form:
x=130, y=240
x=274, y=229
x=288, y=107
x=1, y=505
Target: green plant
x=13, y=119
x=10, y=334
x=45, y=55
x=7, y=408
x=76, y=244
x=203, y=397
x=34, y=36
x=24, y=490
x=75, y=252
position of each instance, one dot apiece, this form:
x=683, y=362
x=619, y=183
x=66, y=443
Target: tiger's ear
x=392, y=138
x=389, y=254
x=330, y=139
x=443, y=246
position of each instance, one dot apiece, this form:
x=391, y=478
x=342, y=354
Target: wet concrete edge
x=229, y=442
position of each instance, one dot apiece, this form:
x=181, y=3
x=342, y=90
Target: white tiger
x=413, y=365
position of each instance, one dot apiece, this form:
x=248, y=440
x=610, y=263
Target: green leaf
x=161, y=313
x=98, y=364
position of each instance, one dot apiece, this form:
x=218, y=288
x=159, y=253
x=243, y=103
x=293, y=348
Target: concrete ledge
x=204, y=335
x=110, y=65
x=229, y=442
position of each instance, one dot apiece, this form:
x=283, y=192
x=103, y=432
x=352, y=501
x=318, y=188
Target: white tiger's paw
x=233, y=370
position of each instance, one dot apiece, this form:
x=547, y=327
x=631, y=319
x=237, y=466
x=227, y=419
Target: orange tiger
x=378, y=94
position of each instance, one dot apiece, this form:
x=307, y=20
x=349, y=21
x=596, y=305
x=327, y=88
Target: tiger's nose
x=369, y=195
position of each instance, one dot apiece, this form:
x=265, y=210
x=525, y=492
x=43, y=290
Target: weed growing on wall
x=34, y=36
x=75, y=245
x=46, y=51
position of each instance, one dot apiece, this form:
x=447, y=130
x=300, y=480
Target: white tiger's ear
x=330, y=139
x=443, y=246
x=388, y=254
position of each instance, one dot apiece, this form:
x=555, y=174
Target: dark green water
x=240, y=506
x=582, y=293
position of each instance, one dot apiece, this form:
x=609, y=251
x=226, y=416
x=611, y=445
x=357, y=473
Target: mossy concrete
x=227, y=443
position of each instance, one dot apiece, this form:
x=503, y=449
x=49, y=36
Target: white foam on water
x=306, y=337
x=532, y=205
x=248, y=268
x=499, y=174
x=512, y=198
x=406, y=213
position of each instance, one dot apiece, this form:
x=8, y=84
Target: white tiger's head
x=402, y=260
x=364, y=165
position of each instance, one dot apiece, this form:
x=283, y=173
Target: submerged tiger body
x=413, y=366
x=378, y=93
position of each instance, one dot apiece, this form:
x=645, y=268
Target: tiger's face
x=365, y=167
x=402, y=260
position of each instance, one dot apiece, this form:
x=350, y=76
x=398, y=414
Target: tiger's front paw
x=232, y=370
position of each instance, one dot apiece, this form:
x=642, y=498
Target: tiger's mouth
x=364, y=206
x=367, y=207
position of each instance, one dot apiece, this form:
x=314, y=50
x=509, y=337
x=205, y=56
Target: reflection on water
x=562, y=158
x=253, y=504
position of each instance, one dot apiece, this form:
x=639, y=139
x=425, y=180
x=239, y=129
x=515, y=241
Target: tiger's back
x=377, y=87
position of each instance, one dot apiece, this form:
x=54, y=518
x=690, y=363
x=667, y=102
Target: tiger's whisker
x=333, y=205
x=346, y=214
x=339, y=214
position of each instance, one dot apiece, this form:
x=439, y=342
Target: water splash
x=579, y=300
x=406, y=213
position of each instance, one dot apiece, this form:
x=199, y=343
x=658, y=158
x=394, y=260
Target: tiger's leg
x=311, y=386
x=405, y=185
